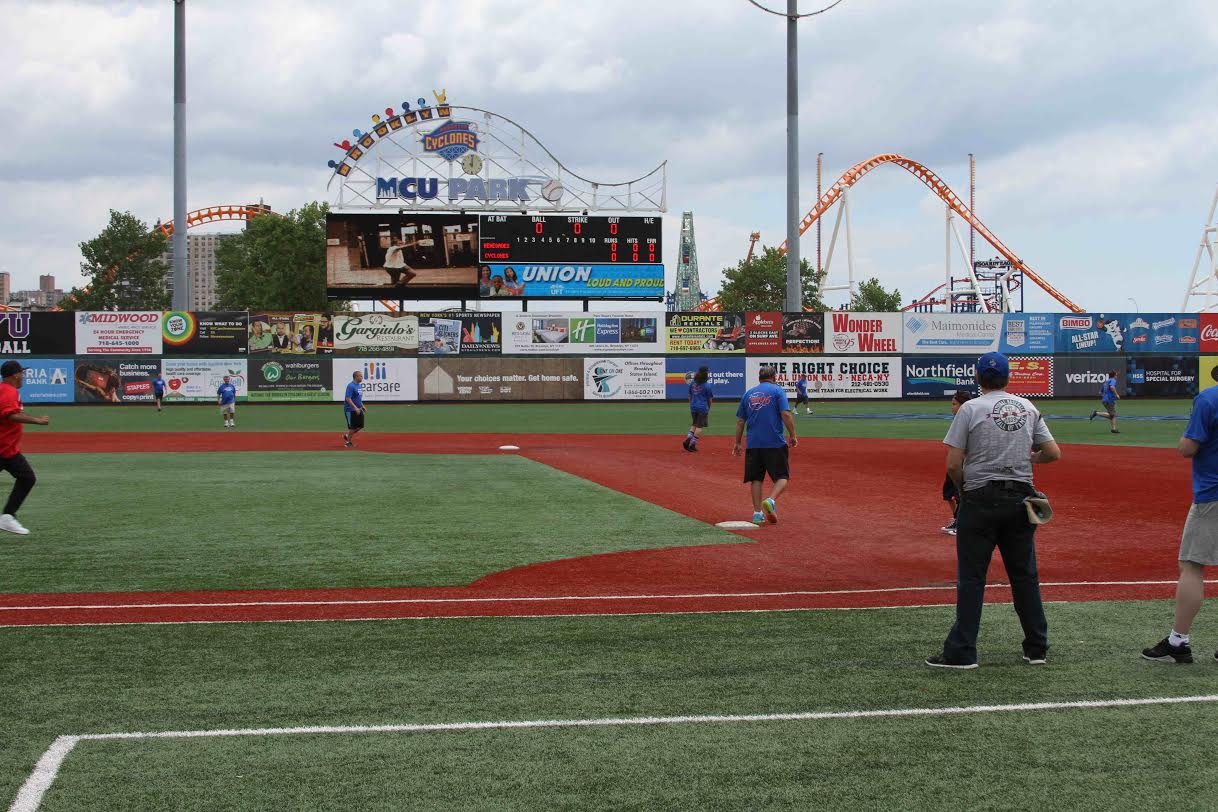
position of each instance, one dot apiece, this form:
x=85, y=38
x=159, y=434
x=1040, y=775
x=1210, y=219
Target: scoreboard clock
x=562, y=238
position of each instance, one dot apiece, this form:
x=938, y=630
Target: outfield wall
x=457, y=356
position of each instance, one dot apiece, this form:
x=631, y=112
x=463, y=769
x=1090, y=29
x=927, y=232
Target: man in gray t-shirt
x=993, y=442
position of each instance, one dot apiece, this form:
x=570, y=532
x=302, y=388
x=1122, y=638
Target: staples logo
x=1075, y=323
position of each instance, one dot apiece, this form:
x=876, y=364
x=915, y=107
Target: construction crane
x=753, y=238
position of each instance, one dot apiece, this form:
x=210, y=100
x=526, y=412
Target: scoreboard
x=562, y=238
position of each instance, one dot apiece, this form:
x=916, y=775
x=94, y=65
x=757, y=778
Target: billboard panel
x=112, y=333
x=48, y=381
x=114, y=380
x=375, y=333
x=287, y=333
x=624, y=378
x=849, y=333
x=498, y=280
x=1161, y=375
x=978, y=333
x=938, y=376
x=726, y=377
x=1031, y=376
x=25, y=333
x=290, y=379
x=835, y=376
x=803, y=332
x=384, y=378
x=197, y=379
x=1207, y=372
x=460, y=333
x=582, y=333
x=402, y=256
x=1209, y=333
x=1162, y=332
x=205, y=332
x=1082, y=375
x=500, y=379
x=705, y=332
x=1091, y=332
x=1028, y=333
x=764, y=333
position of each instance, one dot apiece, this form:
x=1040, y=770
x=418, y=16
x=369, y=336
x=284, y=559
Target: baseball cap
x=10, y=368
x=993, y=364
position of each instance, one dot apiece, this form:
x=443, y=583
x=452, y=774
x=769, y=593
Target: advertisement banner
x=114, y=380
x=764, y=333
x=1209, y=333
x=460, y=333
x=1031, y=376
x=705, y=332
x=1207, y=372
x=110, y=333
x=500, y=379
x=803, y=332
x=850, y=333
x=1091, y=332
x=978, y=333
x=384, y=378
x=938, y=376
x=205, y=333
x=581, y=333
x=290, y=379
x=290, y=333
x=1162, y=332
x=564, y=281
x=835, y=376
x=23, y=333
x=623, y=378
x=1081, y=376
x=197, y=379
x=726, y=377
x=48, y=381
x=1028, y=333
x=1161, y=376
x=375, y=333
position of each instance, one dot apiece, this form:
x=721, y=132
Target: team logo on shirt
x=1009, y=415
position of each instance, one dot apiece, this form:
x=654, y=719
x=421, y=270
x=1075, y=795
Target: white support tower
x=1205, y=287
x=688, y=294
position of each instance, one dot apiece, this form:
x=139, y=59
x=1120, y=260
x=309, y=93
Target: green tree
x=276, y=263
x=124, y=267
x=872, y=298
x=760, y=283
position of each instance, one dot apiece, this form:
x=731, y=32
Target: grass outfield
x=158, y=678
x=832, y=419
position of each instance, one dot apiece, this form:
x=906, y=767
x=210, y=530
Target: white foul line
x=29, y=798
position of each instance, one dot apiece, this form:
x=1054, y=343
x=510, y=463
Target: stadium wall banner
x=566, y=281
x=1177, y=333
x=1081, y=376
x=1031, y=376
x=283, y=333
x=1207, y=372
x=624, y=379
x=1161, y=375
x=375, y=333
x=23, y=333
x=1208, y=339
x=1102, y=333
x=114, y=380
x=849, y=333
x=197, y=379
x=763, y=333
x=500, y=379
x=205, y=333
x=938, y=376
x=290, y=379
x=978, y=333
x=705, y=332
x=836, y=377
x=48, y=380
x=726, y=377
x=582, y=333
x=384, y=378
x=460, y=333
x=118, y=333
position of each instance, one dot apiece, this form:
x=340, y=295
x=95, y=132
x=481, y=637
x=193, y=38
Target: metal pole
x=181, y=282
x=972, y=207
x=794, y=303
x=820, y=160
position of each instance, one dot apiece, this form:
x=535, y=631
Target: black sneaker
x=1089, y=419
x=1034, y=658
x=1165, y=652
x=1114, y=431
x=939, y=661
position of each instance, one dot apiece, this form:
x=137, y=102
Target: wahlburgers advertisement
x=290, y=379
x=365, y=333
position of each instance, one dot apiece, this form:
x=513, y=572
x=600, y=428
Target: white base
x=737, y=525
x=509, y=448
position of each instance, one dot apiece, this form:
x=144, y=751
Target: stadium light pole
x=181, y=282
x=1135, y=304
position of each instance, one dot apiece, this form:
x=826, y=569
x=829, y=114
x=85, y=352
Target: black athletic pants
x=19, y=467
x=994, y=516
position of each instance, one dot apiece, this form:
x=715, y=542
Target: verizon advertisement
x=850, y=333
x=384, y=378
x=834, y=377
x=110, y=333
x=1081, y=376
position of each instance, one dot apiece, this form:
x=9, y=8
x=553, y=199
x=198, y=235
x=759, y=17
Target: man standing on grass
x=12, y=416
x=1108, y=399
x=993, y=442
x=1199, y=546
x=226, y=398
x=764, y=409
x=801, y=394
x=354, y=408
x=158, y=389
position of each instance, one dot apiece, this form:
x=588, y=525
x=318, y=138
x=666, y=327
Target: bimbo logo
x=451, y=140
x=1069, y=323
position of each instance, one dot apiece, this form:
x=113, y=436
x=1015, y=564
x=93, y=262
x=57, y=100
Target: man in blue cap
x=993, y=442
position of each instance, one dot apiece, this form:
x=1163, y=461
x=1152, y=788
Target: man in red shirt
x=12, y=416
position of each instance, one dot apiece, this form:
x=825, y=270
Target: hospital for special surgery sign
x=110, y=333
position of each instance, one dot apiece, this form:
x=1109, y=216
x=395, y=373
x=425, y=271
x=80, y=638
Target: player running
x=764, y=409
x=801, y=394
x=354, y=408
x=226, y=399
x=158, y=389
x=1108, y=398
x=701, y=396
x=12, y=422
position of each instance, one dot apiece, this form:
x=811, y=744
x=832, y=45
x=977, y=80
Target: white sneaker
x=9, y=524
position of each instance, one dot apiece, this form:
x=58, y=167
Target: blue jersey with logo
x=158, y=386
x=227, y=393
x=700, y=396
x=1203, y=429
x=355, y=394
x=1108, y=393
x=802, y=386
x=761, y=408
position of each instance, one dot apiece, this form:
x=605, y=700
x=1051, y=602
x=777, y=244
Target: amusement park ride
x=1205, y=288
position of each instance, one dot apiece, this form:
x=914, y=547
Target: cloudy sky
x=1094, y=123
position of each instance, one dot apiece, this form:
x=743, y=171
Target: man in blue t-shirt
x=158, y=389
x=701, y=396
x=226, y=397
x=354, y=408
x=764, y=410
x=1199, y=545
x=1108, y=399
x=801, y=394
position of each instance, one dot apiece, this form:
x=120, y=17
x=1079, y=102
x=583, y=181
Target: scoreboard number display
x=562, y=238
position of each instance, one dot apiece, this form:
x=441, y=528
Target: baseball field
x=211, y=618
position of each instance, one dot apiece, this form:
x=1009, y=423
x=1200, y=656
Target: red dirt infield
x=859, y=528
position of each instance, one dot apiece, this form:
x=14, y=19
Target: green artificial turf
x=151, y=678
x=118, y=522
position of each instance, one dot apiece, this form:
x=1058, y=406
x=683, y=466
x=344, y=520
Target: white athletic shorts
x=1200, y=541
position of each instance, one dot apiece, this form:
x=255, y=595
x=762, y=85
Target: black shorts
x=355, y=420
x=801, y=398
x=761, y=461
x=1110, y=408
x=700, y=419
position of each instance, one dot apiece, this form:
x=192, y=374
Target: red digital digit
x=613, y=254
x=539, y=227
x=579, y=228
x=613, y=228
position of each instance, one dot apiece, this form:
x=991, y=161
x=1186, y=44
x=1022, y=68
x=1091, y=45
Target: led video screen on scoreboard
x=569, y=238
